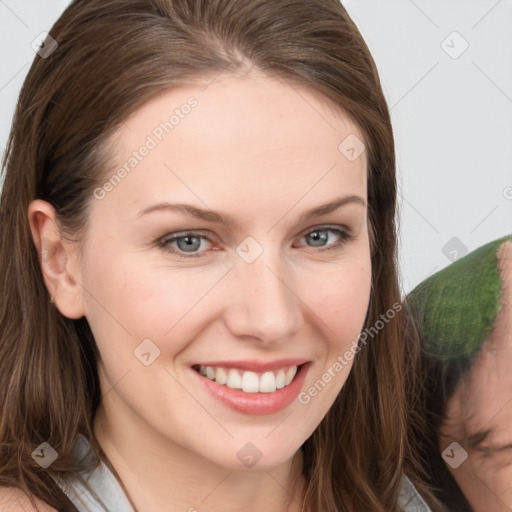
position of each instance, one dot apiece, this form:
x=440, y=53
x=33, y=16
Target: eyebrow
x=475, y=440
x=229, y=221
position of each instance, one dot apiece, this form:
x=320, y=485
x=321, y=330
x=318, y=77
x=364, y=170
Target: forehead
x=266, y=98
x=250, y=133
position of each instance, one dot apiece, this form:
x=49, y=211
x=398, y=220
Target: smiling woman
x=176, y=279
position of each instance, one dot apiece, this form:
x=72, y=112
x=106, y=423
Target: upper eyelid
x=489, y=450
x=205, y=232
x=201, y=233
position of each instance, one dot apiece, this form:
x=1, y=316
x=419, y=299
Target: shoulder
x=410, y=499
x=13, y=499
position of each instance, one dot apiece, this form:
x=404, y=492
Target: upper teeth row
x=250, y=382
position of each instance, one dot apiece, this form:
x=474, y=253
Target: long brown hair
x=111, y=58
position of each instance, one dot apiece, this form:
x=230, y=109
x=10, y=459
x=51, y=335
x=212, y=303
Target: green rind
x=455, y=309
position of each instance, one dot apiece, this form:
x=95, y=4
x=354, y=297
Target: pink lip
x=254, y=365
x=257, y=403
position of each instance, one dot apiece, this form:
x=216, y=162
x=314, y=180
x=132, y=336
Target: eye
x=487, y=451
x=187, y=245
x=319, y=237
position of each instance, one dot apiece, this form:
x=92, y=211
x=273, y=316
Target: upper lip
x=255, y=365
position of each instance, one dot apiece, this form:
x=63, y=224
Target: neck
x=159, y=475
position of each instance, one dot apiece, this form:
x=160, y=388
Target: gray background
x=451, y=111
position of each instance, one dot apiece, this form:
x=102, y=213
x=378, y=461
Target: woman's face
x=479, y=414
x=267, y=284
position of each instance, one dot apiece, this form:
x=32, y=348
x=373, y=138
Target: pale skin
x=262, y=152
x=483, y=401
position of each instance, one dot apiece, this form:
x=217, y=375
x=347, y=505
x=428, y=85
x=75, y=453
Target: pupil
x=321, y=238
x=189, y=244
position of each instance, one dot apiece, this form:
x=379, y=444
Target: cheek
x=146, y=299
x=342, y=302
x=486, y=481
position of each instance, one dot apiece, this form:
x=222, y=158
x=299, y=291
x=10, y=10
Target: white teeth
x=220, y=376
x=250, y=382
x=234, y=380
x=290, y=374
x=267, y=383
x=280, y=379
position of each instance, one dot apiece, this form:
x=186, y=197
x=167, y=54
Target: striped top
x=110, y=497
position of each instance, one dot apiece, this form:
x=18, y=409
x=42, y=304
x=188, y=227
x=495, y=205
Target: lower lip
x=257, y=403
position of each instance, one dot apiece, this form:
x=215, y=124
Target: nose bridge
x=267, y=307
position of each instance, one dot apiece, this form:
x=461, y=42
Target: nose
x=263, y=303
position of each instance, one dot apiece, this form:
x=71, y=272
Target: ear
x=57, y=258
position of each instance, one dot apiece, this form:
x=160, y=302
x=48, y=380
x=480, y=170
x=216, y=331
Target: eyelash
x=166, y=240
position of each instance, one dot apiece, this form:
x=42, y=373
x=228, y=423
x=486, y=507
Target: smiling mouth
x=249, y=381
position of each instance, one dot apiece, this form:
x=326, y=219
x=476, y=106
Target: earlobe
x=58, y=266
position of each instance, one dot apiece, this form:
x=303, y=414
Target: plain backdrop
x=446, y=71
